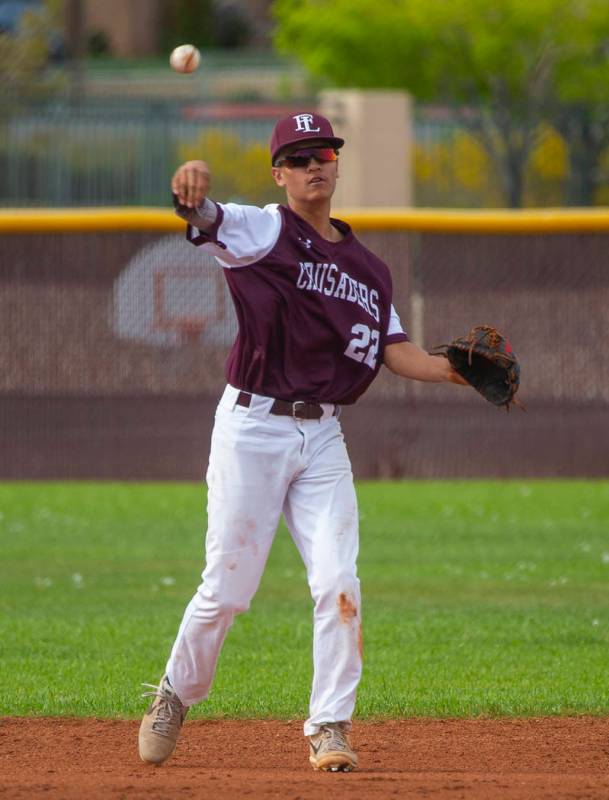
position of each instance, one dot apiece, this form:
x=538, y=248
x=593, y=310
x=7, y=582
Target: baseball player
x=316, y=323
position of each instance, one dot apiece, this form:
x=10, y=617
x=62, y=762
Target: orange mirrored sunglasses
x=302, y=158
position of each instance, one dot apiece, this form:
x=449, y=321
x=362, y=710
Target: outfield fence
x=114, y=332
x=115, y=150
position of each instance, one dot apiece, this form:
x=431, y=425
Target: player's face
x=312, y=181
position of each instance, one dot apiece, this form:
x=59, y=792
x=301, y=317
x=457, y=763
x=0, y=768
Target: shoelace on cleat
x=335, y=738
x=165, y=723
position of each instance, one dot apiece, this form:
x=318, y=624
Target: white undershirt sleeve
x=395, y=326
x=241, y=235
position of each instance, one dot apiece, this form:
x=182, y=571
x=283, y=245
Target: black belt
x=300, y=409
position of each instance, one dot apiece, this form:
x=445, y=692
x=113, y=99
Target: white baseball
x=185, y=58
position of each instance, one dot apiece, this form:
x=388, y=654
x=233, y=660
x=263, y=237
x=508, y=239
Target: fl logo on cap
x=304, y=122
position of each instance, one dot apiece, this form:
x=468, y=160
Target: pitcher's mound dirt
x=530, y=759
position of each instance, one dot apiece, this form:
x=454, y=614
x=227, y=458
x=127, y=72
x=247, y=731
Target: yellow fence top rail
x=549, y=220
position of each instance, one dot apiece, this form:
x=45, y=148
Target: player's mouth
x=317, y=179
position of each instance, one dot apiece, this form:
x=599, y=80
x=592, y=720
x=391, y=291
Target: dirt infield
x=509, y=759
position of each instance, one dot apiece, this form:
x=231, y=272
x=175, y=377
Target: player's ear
x=278, y=176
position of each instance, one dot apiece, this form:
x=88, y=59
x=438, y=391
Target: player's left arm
x=409, y=360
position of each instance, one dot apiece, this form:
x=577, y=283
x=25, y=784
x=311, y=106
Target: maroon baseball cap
x=301, y=127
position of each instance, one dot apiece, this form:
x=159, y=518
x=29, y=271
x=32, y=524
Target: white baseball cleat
x=162, y=723
x=330, y=749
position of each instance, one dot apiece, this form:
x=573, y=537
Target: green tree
x=24, y=58
x=581, y=108
x=206, y=23
x=503, y=64
x=186, y=21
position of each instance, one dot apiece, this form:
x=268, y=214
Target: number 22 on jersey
x=364, y=345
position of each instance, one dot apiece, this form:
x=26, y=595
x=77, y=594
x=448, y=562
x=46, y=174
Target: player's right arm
x=236, y=234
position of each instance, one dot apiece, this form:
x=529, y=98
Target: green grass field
x=480, y=598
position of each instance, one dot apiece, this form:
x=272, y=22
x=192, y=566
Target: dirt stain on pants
x=347, y=611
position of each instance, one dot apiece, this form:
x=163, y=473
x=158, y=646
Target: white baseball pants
x=262, y=465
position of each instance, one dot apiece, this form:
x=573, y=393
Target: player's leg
x=251, y=462
x=321, y=512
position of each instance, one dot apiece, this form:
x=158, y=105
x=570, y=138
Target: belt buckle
x=296, y=403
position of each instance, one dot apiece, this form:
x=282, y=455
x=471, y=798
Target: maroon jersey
x=314, y=316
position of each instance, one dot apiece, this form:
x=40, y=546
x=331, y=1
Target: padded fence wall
x=112, y=346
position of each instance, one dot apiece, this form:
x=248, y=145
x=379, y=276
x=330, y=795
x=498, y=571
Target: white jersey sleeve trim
x=395, y=326
x=245, y=234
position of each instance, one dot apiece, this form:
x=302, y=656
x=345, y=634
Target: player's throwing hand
x=191, y=182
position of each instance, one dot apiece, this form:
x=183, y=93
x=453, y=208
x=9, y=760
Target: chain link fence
x=121, y=150
x=113, y=345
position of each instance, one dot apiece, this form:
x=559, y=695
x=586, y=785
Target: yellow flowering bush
x=454, y=172
x=241, y=172
x=457, y=171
